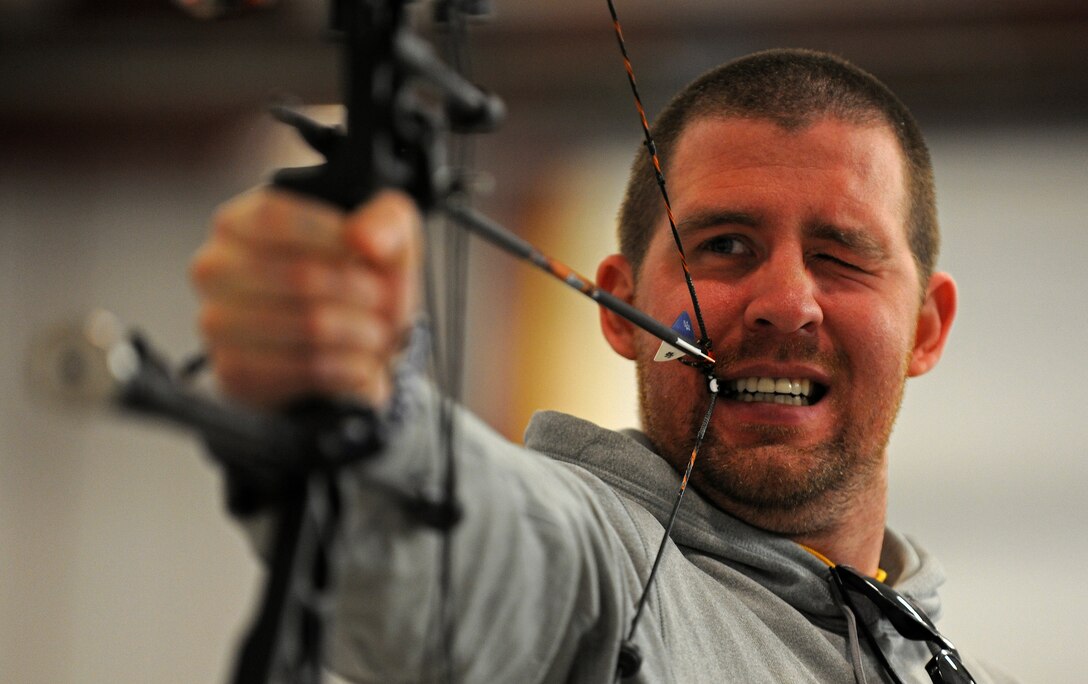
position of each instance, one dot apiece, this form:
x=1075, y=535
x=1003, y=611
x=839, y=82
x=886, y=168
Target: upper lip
x=776, y=370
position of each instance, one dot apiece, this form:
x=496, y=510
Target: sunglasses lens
x=946, y=668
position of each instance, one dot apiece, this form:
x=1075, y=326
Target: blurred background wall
x=123, y=123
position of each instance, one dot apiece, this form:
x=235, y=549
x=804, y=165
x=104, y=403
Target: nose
x=783, y=297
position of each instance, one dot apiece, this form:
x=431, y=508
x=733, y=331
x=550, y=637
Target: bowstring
x=672, y=514
x=627, y=648
x=651, y=149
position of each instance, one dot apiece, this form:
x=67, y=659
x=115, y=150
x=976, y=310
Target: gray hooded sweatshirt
x=550, y=560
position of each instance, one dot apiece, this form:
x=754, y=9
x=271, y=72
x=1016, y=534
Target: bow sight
x=392, y=135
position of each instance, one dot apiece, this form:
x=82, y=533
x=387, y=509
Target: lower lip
x=769, y=412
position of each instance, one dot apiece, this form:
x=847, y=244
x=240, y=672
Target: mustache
x=777, y=349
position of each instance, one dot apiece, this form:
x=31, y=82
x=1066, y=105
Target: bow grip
x=340, y=180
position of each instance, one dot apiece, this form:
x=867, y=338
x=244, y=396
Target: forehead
x=829, y=167
x=822, y=134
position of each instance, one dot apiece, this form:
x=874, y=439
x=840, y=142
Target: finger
x=308, y=327
x=272, y=378
x=227, y=271
x=280, y=220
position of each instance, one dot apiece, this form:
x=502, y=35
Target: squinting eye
x=726, y=244
x=837, y=261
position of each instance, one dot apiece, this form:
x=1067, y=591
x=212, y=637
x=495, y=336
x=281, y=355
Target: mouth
x=768, y=390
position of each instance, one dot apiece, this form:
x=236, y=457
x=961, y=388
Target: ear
x=615, y=275
x=934, y=323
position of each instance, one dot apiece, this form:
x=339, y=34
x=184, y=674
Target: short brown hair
x=792, y=88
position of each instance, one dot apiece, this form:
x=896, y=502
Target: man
x=803, y=195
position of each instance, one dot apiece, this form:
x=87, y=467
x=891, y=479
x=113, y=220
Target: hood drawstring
x=853, y=643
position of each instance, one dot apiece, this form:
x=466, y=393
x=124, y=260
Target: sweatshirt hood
x=626, y=462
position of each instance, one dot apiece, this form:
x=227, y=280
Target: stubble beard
x=761, y=482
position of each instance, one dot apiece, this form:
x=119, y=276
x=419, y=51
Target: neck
x=856, y=536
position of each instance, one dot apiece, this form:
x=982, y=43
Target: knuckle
x=200, y=270
x=367, y=336
x=270, y=219
x=223, y=221
x=382, y=339
x=321, y=371
x=361, y=287
x=318, y=324
x=229, y=221
x=231, y=372
x=306, y=278
x=210, y=320
x=205, y=268
x=267, y=213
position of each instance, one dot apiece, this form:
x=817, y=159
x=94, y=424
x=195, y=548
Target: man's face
x=797, y=245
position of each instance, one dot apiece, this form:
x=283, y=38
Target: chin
x=785, y=489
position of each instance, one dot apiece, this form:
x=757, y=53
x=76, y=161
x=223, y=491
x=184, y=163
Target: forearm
x=534, y=570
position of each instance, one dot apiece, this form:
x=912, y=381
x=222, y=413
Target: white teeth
x=783, y=399
x=788, y=391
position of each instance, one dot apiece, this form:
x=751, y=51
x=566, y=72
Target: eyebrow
x=717, y=217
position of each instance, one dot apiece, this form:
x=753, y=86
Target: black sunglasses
x=945, y=667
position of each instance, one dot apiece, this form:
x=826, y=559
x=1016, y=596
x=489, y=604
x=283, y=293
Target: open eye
x=726, y=244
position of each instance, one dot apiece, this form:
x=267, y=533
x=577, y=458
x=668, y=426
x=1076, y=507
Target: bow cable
x=449, y=348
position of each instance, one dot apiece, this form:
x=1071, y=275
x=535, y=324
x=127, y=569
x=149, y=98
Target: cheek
x=880, y=340
x=664, y=304
x=720, y=304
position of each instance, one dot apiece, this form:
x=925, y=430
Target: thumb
x=386, y=232
x=385, y=236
